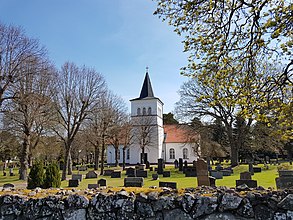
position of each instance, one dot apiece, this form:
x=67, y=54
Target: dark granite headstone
x=142, y=173
x=116, y=174
x=147, y=164
x=73, y=183
x=166, y=173
x=108, y=172
x=249, y=183
x=180, y=164
x=176, y=164
x=130, y=172
x=190, y=172
x=226, y=172
x=92, y=186
x=102, y=182
x=217, y=174
x=219, y=167
x=285, y=179
x=256, y=169
x=172, y=185
x=133, y=182
x=77, y=177
x=245, y=176
x=155, y=176
x=212, y=181
x=160, y=166
x=194, y=163
x=91, y=175
x=250, y=168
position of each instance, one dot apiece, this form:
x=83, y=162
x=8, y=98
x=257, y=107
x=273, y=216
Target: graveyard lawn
x=265, y=179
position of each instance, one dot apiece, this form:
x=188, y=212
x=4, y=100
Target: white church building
x=168, y=142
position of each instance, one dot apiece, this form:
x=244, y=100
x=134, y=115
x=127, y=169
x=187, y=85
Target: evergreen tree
x=36, y=176
x=52, y=176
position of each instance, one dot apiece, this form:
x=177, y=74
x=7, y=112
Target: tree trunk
x=234, y=156
x=97, y=155
x=67, y=152
x=142, y=155
x=123, y=158
x=24, y=158
x=102, y=156
x=69, y=164
x=116, y=156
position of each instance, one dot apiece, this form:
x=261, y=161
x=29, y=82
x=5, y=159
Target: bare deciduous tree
x=78, y=92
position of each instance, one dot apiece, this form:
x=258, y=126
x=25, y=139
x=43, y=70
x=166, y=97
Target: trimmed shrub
x=36, y=176
x=52, y=176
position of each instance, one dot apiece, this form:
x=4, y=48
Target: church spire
x=146, y=90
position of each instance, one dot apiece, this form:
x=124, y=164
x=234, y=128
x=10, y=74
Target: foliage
x=285, y=167
x=9, y=146
x=168, y=119
x=52, y=176
x=36, y=176
x=230, y=43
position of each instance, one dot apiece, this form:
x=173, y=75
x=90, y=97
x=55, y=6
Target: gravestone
x=250, y=168
x=166, y=173
x=160, y=166
x=92, y=186
x=147, y=165
x=151, y=168
x=155, y=176
x=219, y=167
x=73, y=183
x=180, y=164
x=140, y=167
x=82, y=168
x=202, y=173
x=226, y=172
x=245, y=178
x=133, y=182
x=257, y=169
x=267, y=160
x=194, y=163
x=229, y=168
x=190, y=172
x=217, y=174
x=185, y=166
x=76, y=177
x=285, y=179
x=176, y=164
x=91, y=175
x=108, y=172
x=141, y=173
x=102, y=182
x=130, y=172
x=212, y=181
x=116, y=174
x=172, y=185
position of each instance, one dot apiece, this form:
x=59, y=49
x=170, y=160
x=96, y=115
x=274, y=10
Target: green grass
x=266, y=178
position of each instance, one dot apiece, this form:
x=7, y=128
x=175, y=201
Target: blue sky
x=118, y=38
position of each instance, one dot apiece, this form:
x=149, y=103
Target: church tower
x=147, y=120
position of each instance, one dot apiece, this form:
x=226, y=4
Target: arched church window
x=172, y=153
x=128, y=154
x=149, y=111
x=185, y=153
x=144, y=111
x=138, y=111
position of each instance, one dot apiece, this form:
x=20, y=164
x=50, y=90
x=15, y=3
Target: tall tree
x=79, y=90
x=168, y=119
x=16, y=51
x=30, y=111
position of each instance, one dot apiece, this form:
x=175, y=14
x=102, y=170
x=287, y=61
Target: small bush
x=52, y=176
x=284, y=166
x=36, y=176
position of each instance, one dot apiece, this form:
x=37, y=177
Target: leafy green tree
x=168, y=119
x=52, y=176
x=36, y=176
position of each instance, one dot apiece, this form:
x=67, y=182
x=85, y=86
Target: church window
x=172, y=153
x=144, y=111
x=138, y=111
x=149, y=111
x=185, y=153
x=118, y=154
x=127, y=154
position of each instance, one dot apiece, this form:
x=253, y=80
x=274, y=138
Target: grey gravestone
x=92, y=186
x=91, y=175
x=76, y=177
x=285, y=179
x=133, y=182
x=130, y=172
x=116, y=174
x=219, y=167
x=172, y=185
x=102, y=182
x=141, y=173
x=147, y=165
x=155, y=176
x=73, y=183
x=250, y=168
x=160, y=166
x=226, y=172
x=202, y=173
x=140, y=167
x=212, y=181
x=245, y=178
x=176, y=164
x=108, y=172
x=190, y=172
x=166, y=173
x=217, y=174
x=180, y=164
x=82, y=168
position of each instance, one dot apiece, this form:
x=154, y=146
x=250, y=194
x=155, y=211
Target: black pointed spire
x=146, y=90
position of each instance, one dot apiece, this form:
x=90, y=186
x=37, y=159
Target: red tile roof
x=180, y=133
